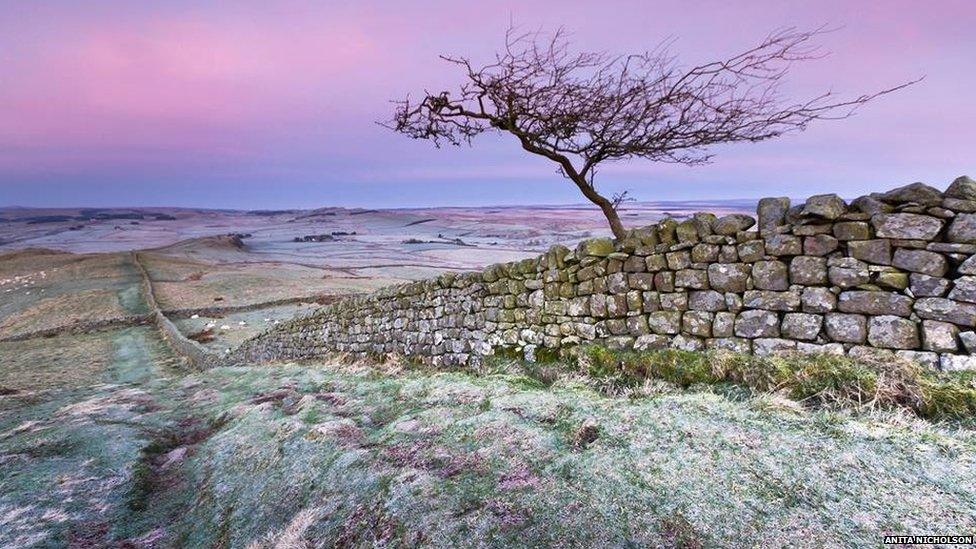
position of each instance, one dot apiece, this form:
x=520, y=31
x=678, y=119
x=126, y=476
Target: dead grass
x=64, y=310
x=41, y=364
x=815, y=379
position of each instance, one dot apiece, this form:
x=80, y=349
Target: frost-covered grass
x=512, y=455
x=450, y=459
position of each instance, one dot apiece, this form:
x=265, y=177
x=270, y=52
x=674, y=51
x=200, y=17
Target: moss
x=949, y=396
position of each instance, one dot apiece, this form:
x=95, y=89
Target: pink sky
x=237, y=104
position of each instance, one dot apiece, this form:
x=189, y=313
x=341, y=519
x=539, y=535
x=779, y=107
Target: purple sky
x=241, y=105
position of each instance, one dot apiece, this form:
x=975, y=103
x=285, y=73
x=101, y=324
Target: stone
x=703, y=223
x=697, y=323
x=770, y=275
x=664, y=322
x=772, y=346
x=925, y=359
x=874, y=303
x=819, y=245
x=691, y=278
x=733, y=302
x=772, y=300
x=803, y=326
x=957, y=363
x=656, y=262
x=921, y=261
x=729, y=277
x=772, y=213
x=678, y=260
x=941, y=337
x=728, y=254
x=687, y=231
x=724, y=324
x=746, y=236
x=808, y=271
x=751, y=251
x=962, y=188
x=818, y=300
x=918, y=193
x=732, y=224
x=617, y=283
x=687, y=343
x=906, y=225
x=928, y=286
x=813, y=230
x=677, y=301
x=640, y=281
x=937, y=211
x=635, y=264
x=947, y=310
x=892, y=332
x=616, y=306
x=852, y=230
x=846, y=328
x=752, y=324
x=892, y=280
x=637, y=325
x=824, y=206
x=963, y=229
x=730, y=344
x=847, y=272
x=870, y=205
x=704, y=253
x=649, y=342
x=951, y=248
x=666, y=230
x=706, y=300
x=783, y=244
x=876, y=251
x=834, y=349
x=968, y=340
x=664, y=281
x=968, y=267
x=959, y=205
x=652, y=301
x=597, y=247
x=964, y=289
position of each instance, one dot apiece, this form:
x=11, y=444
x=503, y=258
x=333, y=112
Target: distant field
x=42, y=290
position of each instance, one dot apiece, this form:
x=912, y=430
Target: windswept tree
x=583, y=109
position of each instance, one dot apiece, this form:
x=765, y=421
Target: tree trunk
x=605, y=206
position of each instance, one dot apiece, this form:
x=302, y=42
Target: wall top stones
x=890, y=274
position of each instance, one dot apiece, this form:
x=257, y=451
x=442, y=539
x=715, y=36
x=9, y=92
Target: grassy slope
x=236, y=456
x=451, y=460
x=70, y=441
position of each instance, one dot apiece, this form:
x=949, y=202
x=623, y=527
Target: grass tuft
x=818, y=379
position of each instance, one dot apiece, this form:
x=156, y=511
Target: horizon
x=562, y=205
x=274, y=107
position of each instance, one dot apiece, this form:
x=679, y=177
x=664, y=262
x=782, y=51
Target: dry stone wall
x=890, y=274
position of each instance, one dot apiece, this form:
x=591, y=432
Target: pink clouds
x=173, y=82
x=248, y=92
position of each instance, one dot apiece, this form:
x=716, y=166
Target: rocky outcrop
x=890, y=274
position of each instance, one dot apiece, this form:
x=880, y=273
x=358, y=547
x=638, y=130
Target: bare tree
x=583, y=109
